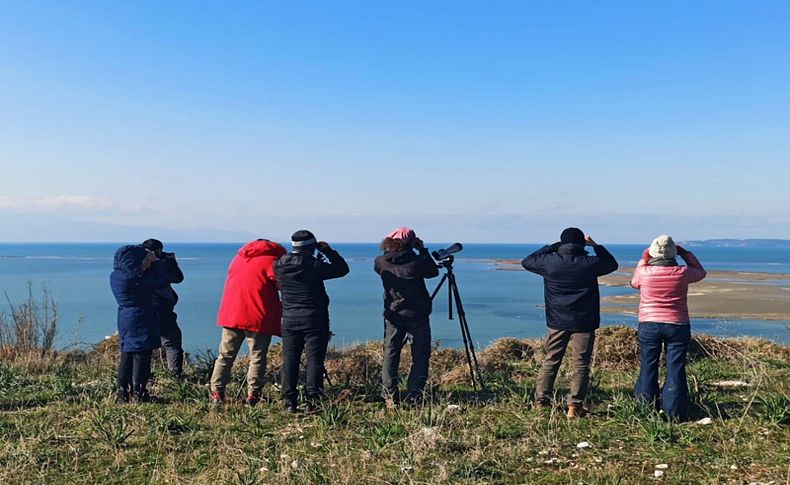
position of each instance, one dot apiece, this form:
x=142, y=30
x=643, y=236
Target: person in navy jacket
x=133, y=282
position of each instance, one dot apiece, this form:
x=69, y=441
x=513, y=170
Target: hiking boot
x=252, y=400
x=217, y=397
x=576, y=411
x=541, y=406
x=121, y=396
x=144, y=397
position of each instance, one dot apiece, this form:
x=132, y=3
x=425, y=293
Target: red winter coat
x=250, y=300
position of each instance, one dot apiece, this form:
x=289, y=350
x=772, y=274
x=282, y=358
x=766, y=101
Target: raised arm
x=337, y=266
x=695, y=272
x=535, y=262
x=171, y=269
x=636, y=280
x=428, y=268
x=606, y=262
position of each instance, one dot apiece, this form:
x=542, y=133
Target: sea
x=498, y=303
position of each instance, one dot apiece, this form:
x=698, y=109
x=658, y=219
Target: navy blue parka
x=134, y=291
x=570, y=284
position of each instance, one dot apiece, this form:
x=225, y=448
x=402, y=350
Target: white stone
x=295, y=465
x=583, y=445
x=731, y=383
x=733, y=467
x=705, y=421
x=662, y=466
x=658, y=473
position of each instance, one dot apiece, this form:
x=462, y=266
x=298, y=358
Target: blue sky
x=474, y=121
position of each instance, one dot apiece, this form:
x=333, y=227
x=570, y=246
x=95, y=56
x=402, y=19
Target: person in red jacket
x=251, y=311
x=664, y=321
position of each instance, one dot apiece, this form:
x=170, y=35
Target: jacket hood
x=293, y=263
x=572, y=249
x=399, y=257
x=254, y=249
x=129, y=258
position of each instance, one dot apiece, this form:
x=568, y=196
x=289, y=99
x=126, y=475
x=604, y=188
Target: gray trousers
x=556, y=345
x=170, y=336
x=395, y=337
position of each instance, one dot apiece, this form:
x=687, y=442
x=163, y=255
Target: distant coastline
x=740, y=243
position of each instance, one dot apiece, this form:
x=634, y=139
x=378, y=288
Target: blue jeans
x=675, y=339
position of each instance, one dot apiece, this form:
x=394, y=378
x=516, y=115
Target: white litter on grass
x=430, y=433
x=733, y=467
x=583, y=445
x=453, y=408
x=406, y=469
x=662, y=466
x=731, y=383
x=658, y=473
x=705, y=421
x=295, y=465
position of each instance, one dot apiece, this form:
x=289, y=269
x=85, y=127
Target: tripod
x=453, y=296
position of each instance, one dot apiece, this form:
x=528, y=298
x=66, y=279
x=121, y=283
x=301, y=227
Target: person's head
x=663, y=247
x=400, y=239
x=303, y=241
x=572, y=235
x=154, y=245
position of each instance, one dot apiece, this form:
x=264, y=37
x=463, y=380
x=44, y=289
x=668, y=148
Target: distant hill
x=740, y=243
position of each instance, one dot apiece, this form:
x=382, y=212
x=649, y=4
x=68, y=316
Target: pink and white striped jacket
x=664, y=289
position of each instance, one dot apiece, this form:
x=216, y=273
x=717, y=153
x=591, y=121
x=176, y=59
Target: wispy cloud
x=59, y=203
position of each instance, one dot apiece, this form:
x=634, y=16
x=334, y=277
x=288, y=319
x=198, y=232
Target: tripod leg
x=439, y=286
x=467, y=335
x=455, y=297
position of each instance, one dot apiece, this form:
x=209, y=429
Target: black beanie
x=154, y=245
x=303, y=239
x=572, y=235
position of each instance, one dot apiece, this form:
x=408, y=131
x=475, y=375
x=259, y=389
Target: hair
x=391, y=245
x=154, y=245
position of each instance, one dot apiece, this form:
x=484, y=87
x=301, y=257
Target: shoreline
x=738, y=295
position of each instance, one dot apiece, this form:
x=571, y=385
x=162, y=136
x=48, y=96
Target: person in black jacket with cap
x=164, y=301
x=305, y=318
x=570, y=285
x=407, y=307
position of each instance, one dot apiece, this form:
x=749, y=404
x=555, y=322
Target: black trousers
x=170, y=335
x=313, y=340
x=134, y=370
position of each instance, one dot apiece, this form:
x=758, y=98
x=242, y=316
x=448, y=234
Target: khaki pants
x=229, y=346
x=556, y=345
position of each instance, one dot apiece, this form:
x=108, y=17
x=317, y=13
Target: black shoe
x=313, y=408
x=291, y=409
x=121, y=396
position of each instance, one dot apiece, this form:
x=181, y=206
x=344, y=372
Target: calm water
x=498, y=303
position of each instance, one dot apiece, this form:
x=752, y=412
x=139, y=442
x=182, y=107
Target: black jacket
x=301, y=280
x=165, y=299
x=403, y=275
x=570, y=284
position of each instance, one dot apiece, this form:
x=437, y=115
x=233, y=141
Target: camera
x=445, y=253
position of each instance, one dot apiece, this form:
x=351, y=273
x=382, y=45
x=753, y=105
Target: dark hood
x=399, y=257
x=294, y=263
x=572, y=249
x=129, y=258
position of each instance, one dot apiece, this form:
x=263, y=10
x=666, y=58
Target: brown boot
x=576, y=411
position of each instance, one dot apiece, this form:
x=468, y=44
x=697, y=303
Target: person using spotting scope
x=407, y=307
x=573, y=313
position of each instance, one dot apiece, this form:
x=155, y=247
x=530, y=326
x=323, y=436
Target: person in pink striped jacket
x=664, y=320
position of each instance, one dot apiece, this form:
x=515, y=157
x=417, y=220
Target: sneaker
x=252, y=401
x=575, y=411
x=217, y=397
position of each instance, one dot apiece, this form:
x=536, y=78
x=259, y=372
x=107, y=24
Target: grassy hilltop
x=59, y=424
